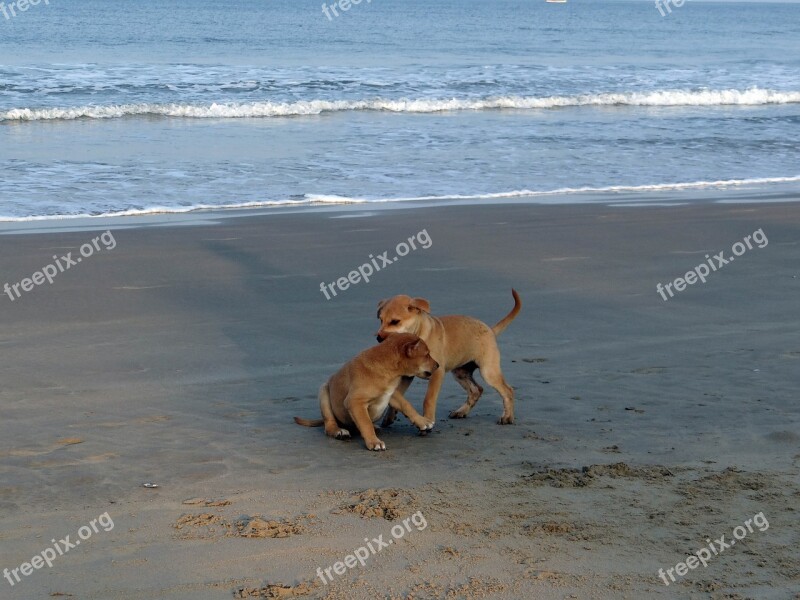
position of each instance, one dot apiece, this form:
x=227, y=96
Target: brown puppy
x=360, y=391
x=459, y=344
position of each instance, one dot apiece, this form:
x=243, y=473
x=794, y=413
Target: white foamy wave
x=567, y=197
x=162, y=210
x=659, y=187
x=232, y=110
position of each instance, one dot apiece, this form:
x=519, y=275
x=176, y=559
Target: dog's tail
x=309, y=422
x=506, y=321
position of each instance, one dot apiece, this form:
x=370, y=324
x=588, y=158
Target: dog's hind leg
x=332, y=428
x=463, y=375
x=493, y=375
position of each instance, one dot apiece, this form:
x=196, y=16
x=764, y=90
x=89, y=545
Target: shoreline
x=208, y=216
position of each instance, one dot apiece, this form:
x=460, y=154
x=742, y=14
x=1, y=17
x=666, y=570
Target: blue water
x=131, y=106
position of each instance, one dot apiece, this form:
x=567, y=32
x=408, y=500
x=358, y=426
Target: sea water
x=136, y=106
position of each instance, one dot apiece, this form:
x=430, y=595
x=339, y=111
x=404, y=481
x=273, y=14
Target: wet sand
x=179, y=358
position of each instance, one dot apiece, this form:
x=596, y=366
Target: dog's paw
x=506, y=420
x=458, y=414
x=376, y=445
x=342, y=434
x=425, y=425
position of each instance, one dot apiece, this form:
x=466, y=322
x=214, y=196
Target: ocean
x=133, y=107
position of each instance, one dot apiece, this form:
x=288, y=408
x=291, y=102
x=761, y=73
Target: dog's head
x=400, y=314
x=416, y=358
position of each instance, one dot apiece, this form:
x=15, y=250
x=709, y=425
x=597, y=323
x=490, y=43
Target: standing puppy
x=359, y=392
x=459, y=344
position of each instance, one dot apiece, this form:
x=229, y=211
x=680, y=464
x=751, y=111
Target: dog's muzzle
x=427, y=374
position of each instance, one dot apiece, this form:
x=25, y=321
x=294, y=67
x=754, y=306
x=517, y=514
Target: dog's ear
x=420, y=304
x=381, y=304
x=415, y=348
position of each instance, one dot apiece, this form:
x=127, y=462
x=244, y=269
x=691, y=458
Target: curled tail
x=501, y=325
x=309, y=422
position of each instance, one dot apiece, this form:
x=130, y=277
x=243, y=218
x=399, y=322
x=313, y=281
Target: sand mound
x=389, y=504
x=258, y=527
x=274, y=590
x=205, y=525
x=585, y=476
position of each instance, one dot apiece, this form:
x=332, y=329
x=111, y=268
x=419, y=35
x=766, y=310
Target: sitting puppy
x=459, y=344
x=360, y=391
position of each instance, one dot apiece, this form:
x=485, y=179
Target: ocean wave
x=232, y=110
x=162, y=210
x=319, y=199
x=657, y=187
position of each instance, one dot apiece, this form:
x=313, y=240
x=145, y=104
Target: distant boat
x=556, y=1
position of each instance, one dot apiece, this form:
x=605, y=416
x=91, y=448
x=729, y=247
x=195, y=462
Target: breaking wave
x=233, y=110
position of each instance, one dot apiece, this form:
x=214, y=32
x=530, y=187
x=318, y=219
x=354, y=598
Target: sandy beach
x=645, y=428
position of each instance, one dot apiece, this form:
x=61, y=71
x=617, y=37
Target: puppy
x=459, y=344
x=360, y=391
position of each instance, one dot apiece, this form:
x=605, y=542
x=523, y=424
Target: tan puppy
x=360, y=391
x=459, y=344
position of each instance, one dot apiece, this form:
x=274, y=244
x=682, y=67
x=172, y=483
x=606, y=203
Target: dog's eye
x=394, y=322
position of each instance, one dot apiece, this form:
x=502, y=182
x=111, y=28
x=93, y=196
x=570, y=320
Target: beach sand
x=179, y=358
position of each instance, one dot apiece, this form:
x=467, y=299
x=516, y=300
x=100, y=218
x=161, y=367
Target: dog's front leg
x=360, y=414
x=434, y=385
x=391, y=413
x=399, y=402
